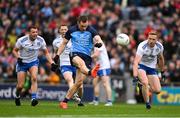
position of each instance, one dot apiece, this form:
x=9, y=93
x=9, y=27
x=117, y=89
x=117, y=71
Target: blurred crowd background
x=110, y=17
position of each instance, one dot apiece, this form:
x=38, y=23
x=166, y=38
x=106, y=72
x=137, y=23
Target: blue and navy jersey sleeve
x=68, y=35
x=70, y=31
x=93, y=31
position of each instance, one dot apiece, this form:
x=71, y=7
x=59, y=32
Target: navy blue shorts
x=148, y=70
x=26, y=66
x=86, y=58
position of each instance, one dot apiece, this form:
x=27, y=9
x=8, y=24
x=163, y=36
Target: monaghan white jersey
x=149, y=55
x=28, y=50
x=64, y=57
x=103, y=58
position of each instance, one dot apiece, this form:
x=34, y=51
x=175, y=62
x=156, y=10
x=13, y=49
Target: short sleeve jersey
x=82, y=41
x=149, y=55
x=64, y=57
x=28, y=49
x=103, y=58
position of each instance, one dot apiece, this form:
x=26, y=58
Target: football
x=122, y=39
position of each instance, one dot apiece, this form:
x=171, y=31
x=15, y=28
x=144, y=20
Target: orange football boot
x=63, y=105
x=95, y=70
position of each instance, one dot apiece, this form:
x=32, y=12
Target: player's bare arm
x=62, y=46
x=15, y=52
x=135, y=65
x=48, y=56
x=55, y=49
x=60, y=50
x=97, y=41
x=96, y=53
x=161, y=62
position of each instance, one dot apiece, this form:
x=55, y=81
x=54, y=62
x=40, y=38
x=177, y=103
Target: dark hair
x=32, y=27
x=61, y=26
x=82, y=18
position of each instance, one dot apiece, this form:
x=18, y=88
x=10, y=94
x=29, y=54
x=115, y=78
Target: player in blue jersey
x=82, y=37
x=26, y=51
x=66, y=69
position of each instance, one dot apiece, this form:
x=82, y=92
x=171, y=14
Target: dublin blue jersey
x=82, y=41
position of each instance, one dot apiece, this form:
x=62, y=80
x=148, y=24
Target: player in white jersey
x=66, y=69
x=26, y=51
x=149, y=52
x=100, y=56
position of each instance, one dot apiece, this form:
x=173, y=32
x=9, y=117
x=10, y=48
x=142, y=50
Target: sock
x=33, y=95
x=65, y=100
x=18, y=91
x=96, y=98
x=22, y=94
x=109, y=101
x=147, y=101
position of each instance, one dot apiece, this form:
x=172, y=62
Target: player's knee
x=19, y=85
x=105, y=84
x=34, y=80
x=144, y=83
x=157, y=92
x=69, y=80
x=81, y=86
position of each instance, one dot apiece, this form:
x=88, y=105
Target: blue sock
x=109, y=101
x=96, y=98
x=65, y=100
x=33, y=95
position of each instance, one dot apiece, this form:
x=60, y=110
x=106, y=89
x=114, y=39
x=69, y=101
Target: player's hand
x=163, y=76
x=56, y=59
x=135, y=81
x=54, y=67
x=98, y=45
x=19, y=61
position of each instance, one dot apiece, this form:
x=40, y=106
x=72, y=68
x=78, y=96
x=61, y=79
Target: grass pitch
x=51, y=109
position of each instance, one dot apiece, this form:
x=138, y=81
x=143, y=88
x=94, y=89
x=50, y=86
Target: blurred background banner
x=168, y=96
x=45, y=92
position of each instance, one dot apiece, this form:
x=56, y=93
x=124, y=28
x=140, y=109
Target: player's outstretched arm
x=161, y=66
x=96, y=53
x=16, y=54
x=98, y=41
x=54, y=66
x=161, y=62
x=135, y=65
x=60, y=49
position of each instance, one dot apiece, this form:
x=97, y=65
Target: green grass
x=51, y=109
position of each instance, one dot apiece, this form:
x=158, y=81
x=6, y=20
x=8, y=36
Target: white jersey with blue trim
x=103, y=58
x=64, y=57
x=29, y=50
x=149, y=55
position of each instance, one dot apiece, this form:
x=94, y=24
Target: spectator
x=162, y=15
